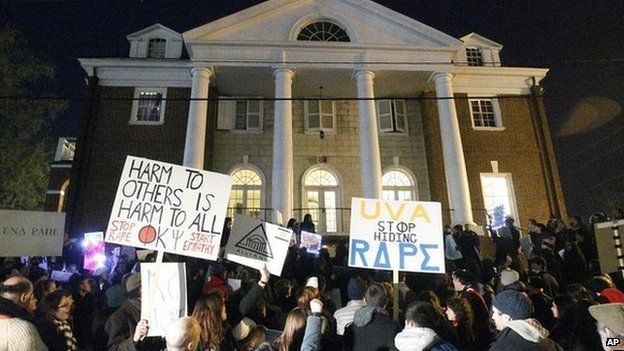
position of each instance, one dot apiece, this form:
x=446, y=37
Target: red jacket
x=216, y=282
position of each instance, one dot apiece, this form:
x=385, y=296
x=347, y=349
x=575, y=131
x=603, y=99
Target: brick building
x=307, y=103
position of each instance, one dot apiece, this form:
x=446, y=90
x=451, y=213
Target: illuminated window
x=485, y=114
x=320, y=115
x=474, y=56
x=398, y=185
x=323, y=31
x=391, y=116
x=247, y=193
x=498, y=197
x=156, y=48
x=148, y=106
x=321, y=199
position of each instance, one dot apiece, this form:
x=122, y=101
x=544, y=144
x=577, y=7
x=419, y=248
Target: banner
x=608, y=250
x=254, y=243
x=31, y=233
x=312, y=242
x=94, y=254
x=161, y=206
x=169, y=295
x=396, y=235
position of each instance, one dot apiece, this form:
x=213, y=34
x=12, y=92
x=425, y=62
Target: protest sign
x=166, y=207
x=396, y=235
x=94, y=255
x=168, y=294
x=609, y=245
x=31, y=233
x=254, y=243
x=60, y=276
x=312, y=242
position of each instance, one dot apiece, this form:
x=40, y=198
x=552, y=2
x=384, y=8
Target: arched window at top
x=398, y=185
x=247, y=193
x=320, y=177
x=323, y=31
x=156, y=48
x=246, y=176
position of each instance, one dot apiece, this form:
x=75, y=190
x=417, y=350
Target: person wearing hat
x=344, y=316
x=510, y=280
x=610, y=317
x=511, y=313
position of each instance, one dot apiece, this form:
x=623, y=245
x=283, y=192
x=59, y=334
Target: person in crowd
x=225, y=235
x=576, y=329
x=294, y=329
x=574, y=266
x=254, y=338
x=344, y=316
x=218, y=280
x=84, y=310
x=183, y=334
x=464, y=284
x=307, y=294
x=537, y=267
x=604, y=291
x=284, y=297
x=542, y=303
x=307, y=225
x=423, y=329
x=17, y=301
x=216, y=334
x=510, y=280
x=113, y=259
x=372, y=328
x=53, y=321
x=451, y=250
x=610, y=326
x=511, y=313
x=583, y=238
x=293, y=225
x=468, y=243
x=460, y=315
x=44, y=287
x=507, y=240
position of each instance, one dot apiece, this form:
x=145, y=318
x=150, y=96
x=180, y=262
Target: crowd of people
x=541, y=290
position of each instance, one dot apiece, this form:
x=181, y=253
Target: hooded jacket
x=372, y=329
x=524, y=335
x=421, y=339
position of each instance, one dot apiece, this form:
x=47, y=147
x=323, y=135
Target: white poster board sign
x=31, y=233
x=169, y=295
x=312, y=242
x=60, y=276
x=166, y=207
x=254, y=243
x=396, y=235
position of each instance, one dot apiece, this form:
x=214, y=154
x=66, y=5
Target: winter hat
x=356, y=289
x=508, y=277
x=609, y=314
x=133, y=282
x=242, y=329
x=613, y=295
x=513, y=303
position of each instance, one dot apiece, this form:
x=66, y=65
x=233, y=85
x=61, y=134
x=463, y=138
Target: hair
x=182, y=332
x=424, y=315
x=50, y=303
x=598, y=284
x=537, y=282
x=281, y=287
x=306, y=294
x=578, y=322
x=256, y=337
x=431, y=297
x=294, y=329
x=464, y=277
x=577, y=292
x=538, y=261
x=42, y=287
x=22, y=286
x=291, y=223
x=458, y=227
x=307, y=218
x=533, y=221
x=207, y=311
x=463, y=312
x=376, y=295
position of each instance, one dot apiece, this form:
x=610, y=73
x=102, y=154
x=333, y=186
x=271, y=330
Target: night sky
x=581, y=42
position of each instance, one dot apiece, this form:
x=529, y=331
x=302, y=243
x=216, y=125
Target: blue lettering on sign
x=424, y=266
x=382, y=252
x=358, y=247
x=406, y=249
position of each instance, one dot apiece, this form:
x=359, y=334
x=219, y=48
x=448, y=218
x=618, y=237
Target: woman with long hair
x=53, y=321
x=211, y=314
x=294, y=330
x=459, y=313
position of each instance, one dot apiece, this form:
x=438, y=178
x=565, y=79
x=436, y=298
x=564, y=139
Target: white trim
x=498, y=119
x=304, y=21
x=258, y=171
x=321, y=189
x=135, y=105
x=617, y=223
x=307, y=128
x=408, y=173
x=56, y=192
x=510, y=188
x=61, y=165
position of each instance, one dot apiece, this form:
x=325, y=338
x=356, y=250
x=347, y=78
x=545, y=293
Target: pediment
x=278, y=21
x=156, y=30
x=474, y=39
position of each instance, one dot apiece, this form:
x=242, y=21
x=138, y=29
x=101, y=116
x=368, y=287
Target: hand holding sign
x=141, y=330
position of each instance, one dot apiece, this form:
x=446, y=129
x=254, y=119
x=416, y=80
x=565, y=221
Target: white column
x=453, y=152
x=369, y=143
x=196, y=127
x=282, y=179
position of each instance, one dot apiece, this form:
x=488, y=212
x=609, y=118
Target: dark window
x=323, y=31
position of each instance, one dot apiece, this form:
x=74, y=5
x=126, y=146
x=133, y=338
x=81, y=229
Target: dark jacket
x=372, y=330
x=524, y=335
x=120, y=328
x=51, y=336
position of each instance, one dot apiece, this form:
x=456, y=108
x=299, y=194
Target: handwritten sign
x=94, y=255
x=161, y=206
x=254, y=243
x=31, y=233
x=169, y=292
x=312, y=242
x=396, y=235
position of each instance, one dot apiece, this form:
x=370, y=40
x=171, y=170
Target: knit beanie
x=513, y=303
x=508, y=277
x=356, y=289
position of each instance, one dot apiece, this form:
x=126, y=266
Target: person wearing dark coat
x=307, y=225
x=372, y=329
x=511, y=312
x=574, y=267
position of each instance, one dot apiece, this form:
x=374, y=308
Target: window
x=248, y=115
x=391, y=116
x=320, y=199
x=65, y=149
x=323, y=31
x=398, y=186
x=148, y=106
x=247, y=192
x=156, y=48
x=320, y=115
x=498, y=197
x=485, y=114
x=474, y=56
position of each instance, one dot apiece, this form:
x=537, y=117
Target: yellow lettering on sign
x=420, y=212
x=396, y=216
x=369, y=216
